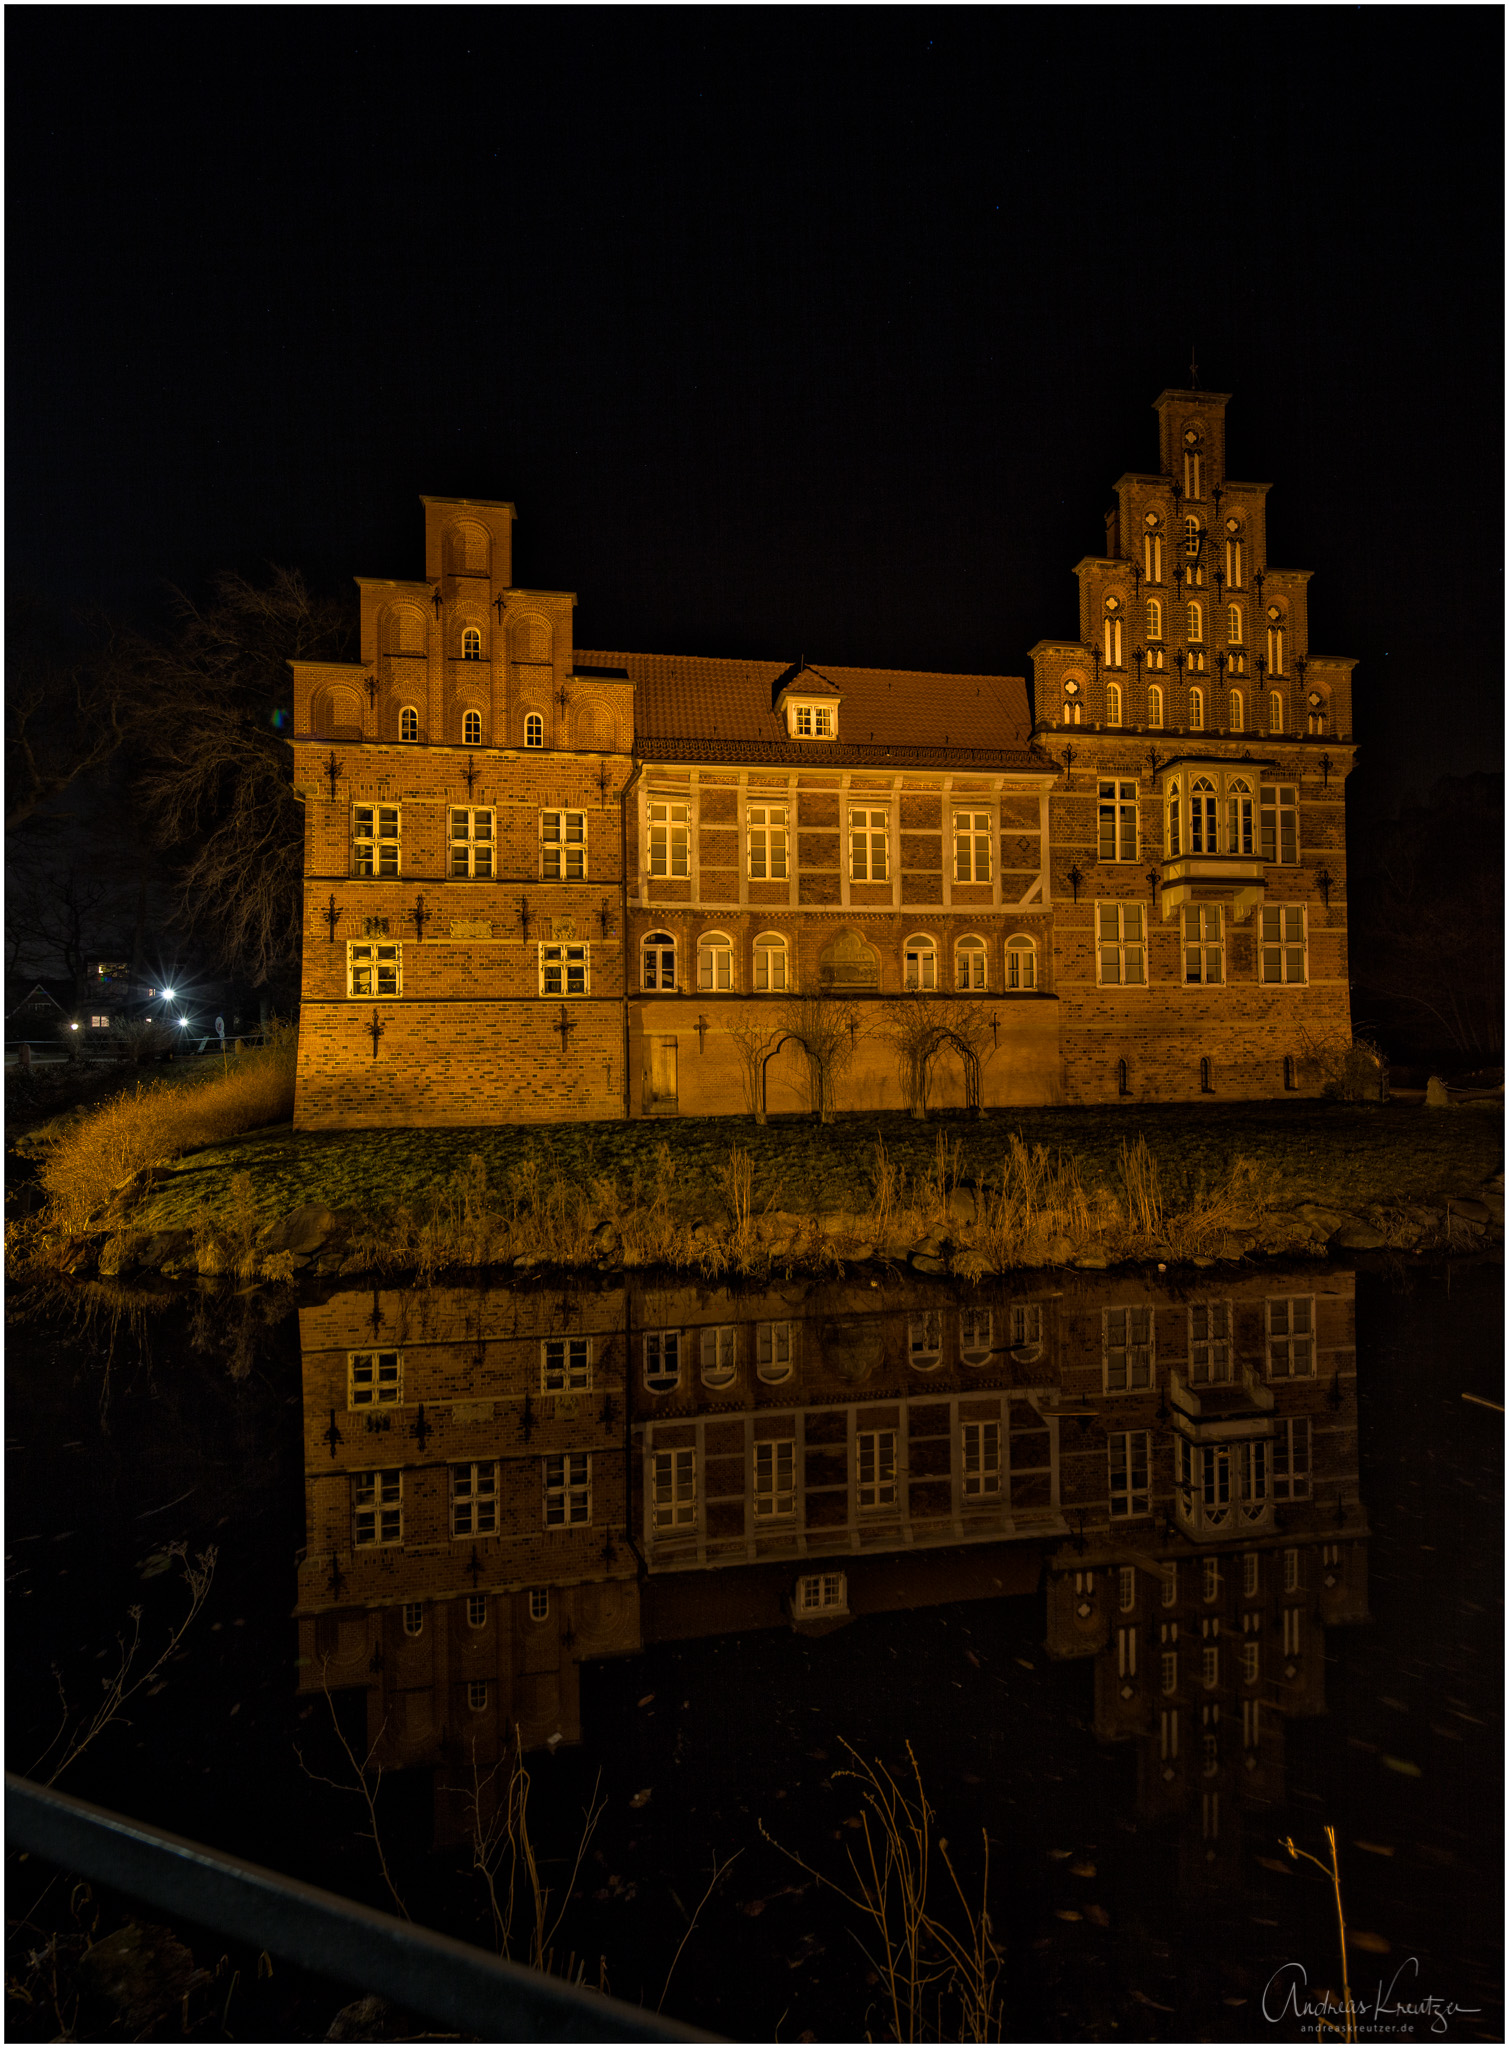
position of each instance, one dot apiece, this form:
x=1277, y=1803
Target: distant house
x=35, y=1009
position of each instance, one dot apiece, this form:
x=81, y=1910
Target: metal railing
x=446, y=1980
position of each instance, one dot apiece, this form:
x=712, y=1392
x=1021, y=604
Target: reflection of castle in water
x=502, y=1485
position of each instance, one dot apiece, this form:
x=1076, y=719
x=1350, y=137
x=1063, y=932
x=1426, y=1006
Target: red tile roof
x=699, y=708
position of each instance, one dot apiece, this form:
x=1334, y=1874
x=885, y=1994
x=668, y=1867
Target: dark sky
x=788, y=331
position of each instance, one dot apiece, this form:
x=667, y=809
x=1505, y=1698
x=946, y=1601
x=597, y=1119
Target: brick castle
x=545, y=884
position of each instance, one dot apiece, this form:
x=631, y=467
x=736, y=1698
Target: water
x=693, y=1543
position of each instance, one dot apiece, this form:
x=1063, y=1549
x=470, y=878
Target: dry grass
x=157, y=1121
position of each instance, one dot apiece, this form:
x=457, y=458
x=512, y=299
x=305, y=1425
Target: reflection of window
x=565, y=1365
x=374, y=1379
x=408, y=723
x=1127, y=1462
x=974, y=1335
x=773, y=1351
x=563, y=970
x=921, y=963
x=413, y=1618
x=822, y=1593
x=472, y=845
x=376, y=1507
x=670, y=837
x=715, y=962
x=659, y=961
x=767, y=842
x=374, y=840
x=568, y=1489
x=1171, y=1584
x=770, y=963
x=1026, y=1323
x=969, y=963
x=774, y=1478
x=1250, y=1581
x=1210, y=1578
x=1291, y=1460
x=718, y=1355
x=539, y=1603
x=1209, y=1343
x=925, y=1339
x=476, y=1694
x=1127, y=1343
x=674, y=1489
x=867, y=846
x=1120, y=943
x=476, y=1610
x=474, y=1500
x=875, y=1455
x=662, y=1360
x=982, y=1459
x=1126, y=1588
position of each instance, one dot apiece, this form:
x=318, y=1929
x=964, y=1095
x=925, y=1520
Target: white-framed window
x=474, y=1500
x=1021, y=961
x=1127, y=1348
x=1154, y=705
x=374, y=1379
x=1126, y=1653
x=718, y=1355
x=568, y=1489
x=774, y=1478
x=770, y=964
x=1275, y=711
x=413, y=1618
x=472, y=840
x=1278, y=822
x=869, y=846
x=1118, y=821
x=1291, y=1459
x=539, y=1603
x=534, y=730
x=768, y=842
x=658, y=961
x=1275, y=650
x=1152, y=554
x=1239, y=837
x=408, y=723
x=1128, y=1464
x=1192, y=540
x=1235, y=711
x=673, y=1489
x=374, y=968
x=563, y=846
x=875, y=1468
x=1120, y=945
x=1204, y=813
x=1234, y=624
x=925, y=1339
x=1171, y=1583
x=471, y=728
x=1291, y=1571
x=1195, y=620
x=822, y=1593
x=1174, y=814
x=1234, y=565
x=921, y=962
x=1155, y=618
x=374, y=839
x=982, y=1460
x=814, y=722
x=1168, y=1724
x=1282, y=953
x=476, y=1695
x=565, y=1365
x=1209, y=1343
x=565, y=970
x=376, y=1508
x=773, y=1352
x=969, y=963
x=1197, y=710
x=1192, y=468
x=471, y=644
x=1251, y=1578
x=1026, y=1325
x=1210, y=1578
x=1111, y=633
x=1204, y=954
x=97, y=1023
x=1126, y=1588
x=476, y=1610
x=715, y=963
x=971, y=846
x=976, y=1327
x=1293, y=1623
x=670, y=837
x=1113, y=703
x=662, y=1361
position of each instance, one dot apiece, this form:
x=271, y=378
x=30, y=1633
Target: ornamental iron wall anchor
x=566, y=1024
x=332, y=1435
x=1323, y=882
x=332, y=915
x=334, y=770
x=524, y=917
x=337, y=1578
x=421, y=917
x=1075, y=878
x=469, y=772
x=375, y=1031
x=1326, y=765
x=422, y=1430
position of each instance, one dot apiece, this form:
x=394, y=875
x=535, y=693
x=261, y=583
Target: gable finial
x=1194, y=370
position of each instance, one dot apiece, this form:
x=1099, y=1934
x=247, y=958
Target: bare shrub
x=1351, y=1069
x=503, y=1856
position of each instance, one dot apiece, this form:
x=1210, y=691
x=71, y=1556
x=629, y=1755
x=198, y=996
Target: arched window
x=1234, y=563
x=1234, y=624
x=1154, y=618
x=1123, y=1079
x=715, y=963
x=718, y=1356
x=1289, y=1080
x=773, y=1352
x=1173, y=821
x=1113, y=703
x=1317, y=720
x=1021, y=961
x=770, y=964
x=1113, y=632
x=1239, y=818
x=1155, y=705
x=408, y=723
x=471, y=644
x=1192, y=537
x=1074, y=712
x=1152, y=552
x=969, y=963
x=1276, y=650
x=1205, y=1085
x=1192, y=464
x=1202, y=816
x=659, y=961
x=1275, y=711
x=925, y=1339
x=976, y=1331
x=1196, y=622
x=471, y=729
x=534, y=730
x=1234, y=711
x=1197, y=711
x=921, y=963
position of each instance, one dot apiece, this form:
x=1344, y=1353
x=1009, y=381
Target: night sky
x=789, y=332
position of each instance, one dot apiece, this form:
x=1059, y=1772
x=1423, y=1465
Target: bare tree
x=72, y=698
x=827, y=1029
x=919, y=1027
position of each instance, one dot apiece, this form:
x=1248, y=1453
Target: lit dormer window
x=813, y=721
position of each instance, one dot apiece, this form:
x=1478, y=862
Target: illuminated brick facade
x=547, y=884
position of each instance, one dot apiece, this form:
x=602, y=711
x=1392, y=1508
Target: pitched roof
x=701, y=708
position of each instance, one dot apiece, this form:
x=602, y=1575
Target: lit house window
x=1192, y=467
x=1112, y=633
x=374, y=969
x=1021, y=961
x=471, y=728
x=767, y=842
x=1155, y=618
x=1196, y=622
x=1120, y=945
x=1192, y=542
x=98, y=1023
x=1127, y=1348
x=673, y=1489
x=1291, y=1337
x=1027, y=1327
x=1239, y=818
x=1155, y=705
x=662, y=1361
x=1235, y=711
x=534, y=730
x=408, y=723
x=868, y=846
x=1275, y=642
x=670, y=837
x=1127, y=1460
x=474, y=1500
x=1204, y=954
x=969, y=963
x=1152, y=553
x=1118, y=821
x=1278, y=821
x=568, y=1489
x=471, y=644
x=875, y=1468
x=1234, y=564
x=659, y=961
x=376, y=1508
x=774, y=1479
x=814, y=721
x=770, y=976
x=1202, y=816
x=563, y=846
x=374, y=1379
x=773, y=1352
x=971, y=846
x=374, y=840
x=563, y=970
x=1275, y=711
x=1234, y=624
x=1113, y=703
x=1282, y=953
x=715, y=962
x=565, y=1365
x=921, y=963
x=472, y=845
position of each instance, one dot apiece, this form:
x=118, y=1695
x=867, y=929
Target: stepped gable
x=701, y=708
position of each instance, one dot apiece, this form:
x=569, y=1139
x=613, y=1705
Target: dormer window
x=813, y=721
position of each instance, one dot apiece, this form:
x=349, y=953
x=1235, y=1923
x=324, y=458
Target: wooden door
x=660, y=1077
